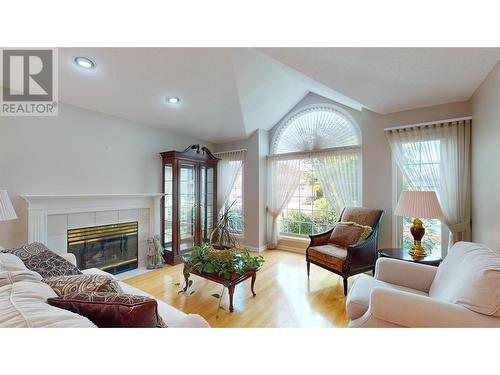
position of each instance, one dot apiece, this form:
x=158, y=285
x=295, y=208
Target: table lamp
x=7, y=212
x=418, y=204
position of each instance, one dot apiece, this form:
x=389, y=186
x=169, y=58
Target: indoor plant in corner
x=222, y=258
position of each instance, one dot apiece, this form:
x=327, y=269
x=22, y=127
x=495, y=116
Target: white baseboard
x=291, y=249
x=255, y=249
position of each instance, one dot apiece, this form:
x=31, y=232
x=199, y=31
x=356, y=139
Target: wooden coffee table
x=403, y=254
x=234, y=280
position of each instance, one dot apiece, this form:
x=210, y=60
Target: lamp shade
x=422, y=204
x=7, y=212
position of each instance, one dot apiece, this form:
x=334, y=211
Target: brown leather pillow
x=112, y=310
x=63, y=285
x=348, y=233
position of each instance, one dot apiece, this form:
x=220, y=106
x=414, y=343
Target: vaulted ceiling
x=227, y=93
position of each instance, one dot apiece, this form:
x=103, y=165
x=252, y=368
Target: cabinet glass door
x=167, y=209
x=206, y=202
x=187, y=207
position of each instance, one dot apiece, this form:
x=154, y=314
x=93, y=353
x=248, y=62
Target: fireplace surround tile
x=58, y=244
x=106, y=217
x=126, y=216
x=57, y=225
x=81, y=220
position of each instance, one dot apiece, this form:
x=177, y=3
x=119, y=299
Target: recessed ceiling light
x=173, y=99
x=84, y=62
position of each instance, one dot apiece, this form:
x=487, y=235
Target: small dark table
x=234, y=280
x=403, y=254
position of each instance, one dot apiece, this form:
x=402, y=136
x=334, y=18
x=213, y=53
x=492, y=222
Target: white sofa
x=464, y=291
x=23, y=299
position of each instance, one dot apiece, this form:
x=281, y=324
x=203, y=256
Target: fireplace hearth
x=112, y=248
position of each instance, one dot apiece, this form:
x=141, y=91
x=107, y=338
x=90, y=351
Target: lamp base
x=417, y=231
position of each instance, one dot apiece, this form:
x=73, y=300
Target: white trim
x=291, y=249
x=428, y=123
x=255, y=249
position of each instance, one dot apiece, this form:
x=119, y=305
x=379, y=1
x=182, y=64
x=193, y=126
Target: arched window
x=314, y=170
x=315, y=128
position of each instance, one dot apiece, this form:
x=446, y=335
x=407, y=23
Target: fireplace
x=112, y=248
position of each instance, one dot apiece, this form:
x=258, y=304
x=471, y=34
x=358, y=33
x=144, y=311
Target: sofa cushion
x=10, y=277
x=23, y=303
x=82, y=283
x=37, y=257
x=112, y=310
x=11, y=262
x=469, y=276
x=358, y=298
x=328, y=255
x=361, y=215
x=348, y=233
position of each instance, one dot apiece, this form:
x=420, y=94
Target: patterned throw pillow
x=82, y=283
x=112, y=310
x=347, y=233
x=37, y=257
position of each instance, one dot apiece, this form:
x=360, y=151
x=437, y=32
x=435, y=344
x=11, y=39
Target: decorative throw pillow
x=82, y=283
x=37, y=257
x=112, y=310
x=348, y=233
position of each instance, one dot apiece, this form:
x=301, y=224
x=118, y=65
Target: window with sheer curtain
x=423, y=160
x=314, y=171
x=235, y=204
x=436, y=156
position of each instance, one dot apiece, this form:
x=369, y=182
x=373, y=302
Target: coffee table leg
x=254, y=276
x=231, y=293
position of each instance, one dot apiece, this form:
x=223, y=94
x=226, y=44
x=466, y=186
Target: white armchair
x=464, y=291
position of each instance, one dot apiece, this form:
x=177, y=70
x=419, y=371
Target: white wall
x=79, y=151
x=485, y=158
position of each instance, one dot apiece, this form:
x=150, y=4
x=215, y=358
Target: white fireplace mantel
x=40, y=207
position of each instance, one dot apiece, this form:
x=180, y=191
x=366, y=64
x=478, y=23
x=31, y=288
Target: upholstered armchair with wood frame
x=352, y=259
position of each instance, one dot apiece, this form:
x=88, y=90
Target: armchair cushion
x=328, y=255
x=361, y=215
x=469, y=276
x=348, y=233
x=358, y=300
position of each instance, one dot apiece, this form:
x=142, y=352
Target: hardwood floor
x=285, y=297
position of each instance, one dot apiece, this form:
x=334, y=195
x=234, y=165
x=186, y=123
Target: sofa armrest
x=411, y=275
x=406, y=309
x=69, y=257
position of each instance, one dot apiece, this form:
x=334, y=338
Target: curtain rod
x=227, y=152
x=312, y=152
x=428, y=123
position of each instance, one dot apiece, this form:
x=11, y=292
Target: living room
x=308, y=186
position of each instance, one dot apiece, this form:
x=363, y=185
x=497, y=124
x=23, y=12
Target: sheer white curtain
x=227, y=171
x=283, y=179
x=437, y=157
x=339, y=176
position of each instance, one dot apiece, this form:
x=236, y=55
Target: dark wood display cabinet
x=189, y=207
